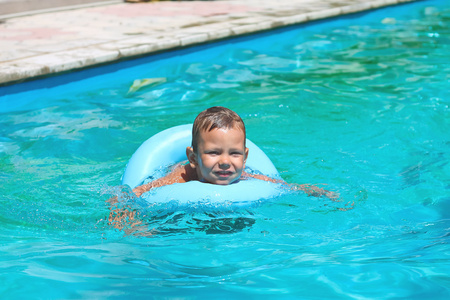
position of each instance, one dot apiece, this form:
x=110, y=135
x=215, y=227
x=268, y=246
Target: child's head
x=215, y=117
x=218, y=151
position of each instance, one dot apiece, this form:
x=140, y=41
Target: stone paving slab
x=49, y=43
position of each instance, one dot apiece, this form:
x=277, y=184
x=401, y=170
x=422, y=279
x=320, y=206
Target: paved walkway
x=48, y=43
x=23, y=7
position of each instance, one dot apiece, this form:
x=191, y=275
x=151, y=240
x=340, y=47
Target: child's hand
x=312, y=190
x=123, y=218
x=332, y=195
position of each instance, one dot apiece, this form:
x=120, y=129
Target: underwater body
x=358, y=105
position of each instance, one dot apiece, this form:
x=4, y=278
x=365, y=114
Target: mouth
x=224, y=174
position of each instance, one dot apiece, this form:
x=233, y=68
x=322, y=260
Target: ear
x=245, y=155
x=192, y=157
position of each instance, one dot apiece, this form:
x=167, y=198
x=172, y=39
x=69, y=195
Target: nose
x=224, y=162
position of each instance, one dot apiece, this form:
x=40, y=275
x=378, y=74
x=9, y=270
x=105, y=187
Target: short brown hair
x=215, y=117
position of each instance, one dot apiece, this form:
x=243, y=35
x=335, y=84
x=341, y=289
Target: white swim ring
x=168, y=147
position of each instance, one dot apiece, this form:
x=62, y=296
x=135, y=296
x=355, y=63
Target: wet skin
x=220, y=157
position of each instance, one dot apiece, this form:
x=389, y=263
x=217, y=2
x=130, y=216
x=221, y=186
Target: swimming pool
x=359, y=103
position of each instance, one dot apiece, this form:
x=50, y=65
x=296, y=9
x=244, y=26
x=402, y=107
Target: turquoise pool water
x=358, y=104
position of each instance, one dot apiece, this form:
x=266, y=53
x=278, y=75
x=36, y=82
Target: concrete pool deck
x=49, y=42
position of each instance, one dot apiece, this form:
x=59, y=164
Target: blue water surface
x=358, y=105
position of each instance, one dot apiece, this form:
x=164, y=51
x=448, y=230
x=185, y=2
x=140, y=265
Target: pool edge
x=60, y=62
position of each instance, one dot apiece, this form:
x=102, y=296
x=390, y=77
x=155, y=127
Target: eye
x=236, y=153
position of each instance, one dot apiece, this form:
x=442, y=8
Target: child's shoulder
x=181, y=172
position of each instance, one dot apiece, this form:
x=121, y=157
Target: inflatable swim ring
x=169, y=147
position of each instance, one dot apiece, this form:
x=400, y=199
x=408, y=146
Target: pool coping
x=196, y=31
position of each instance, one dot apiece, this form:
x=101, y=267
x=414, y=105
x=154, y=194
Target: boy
x=218, y=154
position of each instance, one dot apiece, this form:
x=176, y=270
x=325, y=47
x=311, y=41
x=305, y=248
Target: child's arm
x=262, y=177
x=139, y=190
x=310, y=190
x=127, y=219
x=181, y=173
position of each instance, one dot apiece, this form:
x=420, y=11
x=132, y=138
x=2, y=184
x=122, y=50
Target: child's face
x=220, y=157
